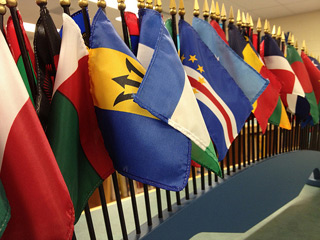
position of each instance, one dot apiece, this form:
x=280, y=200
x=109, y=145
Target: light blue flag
x=165, y=90
x=248, y=79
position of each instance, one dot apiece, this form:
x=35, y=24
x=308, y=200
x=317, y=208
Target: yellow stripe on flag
x=250, y=57
x=284, y=120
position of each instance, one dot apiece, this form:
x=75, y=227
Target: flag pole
x=243, y=23
x=182, y=12
x=223, y=17
x=3, y=11
x=83, y=4
x=279, y=36
x=205, y=11
x=142, y=5
x=212, y=11
x=248, y=24
x=251, y=28
x=239, y=20
x=122, y=7
x=173, y=12
x=12, y=4
x=65, y=4
x=259, y=28
x=273, y=32
x=217, y=12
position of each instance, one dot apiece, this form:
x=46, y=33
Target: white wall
x=304, y=27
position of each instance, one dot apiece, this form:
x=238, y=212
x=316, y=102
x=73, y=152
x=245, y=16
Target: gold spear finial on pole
x=259, y=26
x=181, y=12
x=251, y=22
x=290, y=39
x=231, y=16
x=65, y=3
x=266, y=29
x=141, y=4
x=269, y=28
x=279, y=33
x=158, y=6
x=273, y=33
x=121, y=5
x=205, y=10
x=283, y=39
x=196, y=10
x=217, y=12
x=248, y=20
x=239, y=22
x=223, y=13
x=303, y=48
x=213, y=11
x=296, y=45
x=149, y=4
x=173, y=7
x=244, y=23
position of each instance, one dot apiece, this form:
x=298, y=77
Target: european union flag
x=141, y=146
x=224, y=106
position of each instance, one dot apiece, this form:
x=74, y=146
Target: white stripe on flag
x=68, y=54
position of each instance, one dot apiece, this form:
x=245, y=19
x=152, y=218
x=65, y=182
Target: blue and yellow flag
x=141, y=146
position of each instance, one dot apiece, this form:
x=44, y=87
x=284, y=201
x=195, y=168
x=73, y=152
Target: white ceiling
x=257, y=8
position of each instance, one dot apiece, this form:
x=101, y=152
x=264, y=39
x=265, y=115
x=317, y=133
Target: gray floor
x=297, y=220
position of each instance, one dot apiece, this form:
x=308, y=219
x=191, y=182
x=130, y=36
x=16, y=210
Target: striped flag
x=224, y=106
x=314, y=74
x=133, y=26
x=302, y=74
x=40, y=203
x=166, y=79
x=292, y=93
x=268, y=100
x=141, y=146
x=249, y=80
x=73, y=130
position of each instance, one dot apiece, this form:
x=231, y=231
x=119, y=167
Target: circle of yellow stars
x=192, y=58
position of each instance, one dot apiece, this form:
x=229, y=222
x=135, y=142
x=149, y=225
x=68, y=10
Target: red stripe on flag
x=90, y=135
x=287, y=79
x=200, y=87
x=302, y=74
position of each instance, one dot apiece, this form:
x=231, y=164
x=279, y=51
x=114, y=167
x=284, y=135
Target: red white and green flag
x=314, y=75
x=73, y=130
x=302, y=74
x=40, y=203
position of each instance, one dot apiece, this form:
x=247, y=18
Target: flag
x=213, y=87
x=133, y=26
x=302, y=74
x=73, y=130
x=46, y=45
x=140, y=146
x=314, y=74
x=292, y=93
x=315, y=62
x=166, y=91
x=250, y=82
x=40, y=203
x=78, y=18
x=219, y=30
x=268, y=100
x=16, y=53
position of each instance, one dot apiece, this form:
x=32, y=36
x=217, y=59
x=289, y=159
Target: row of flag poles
x=83, y=103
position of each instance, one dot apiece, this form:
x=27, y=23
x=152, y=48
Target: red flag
x=219, y=30
x=41, y=207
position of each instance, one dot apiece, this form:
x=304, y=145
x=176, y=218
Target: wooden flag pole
x=83, y=4
x=122, y=7
x=65, y=4
x=12, y=4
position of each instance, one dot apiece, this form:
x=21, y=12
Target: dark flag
x=47, y=43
